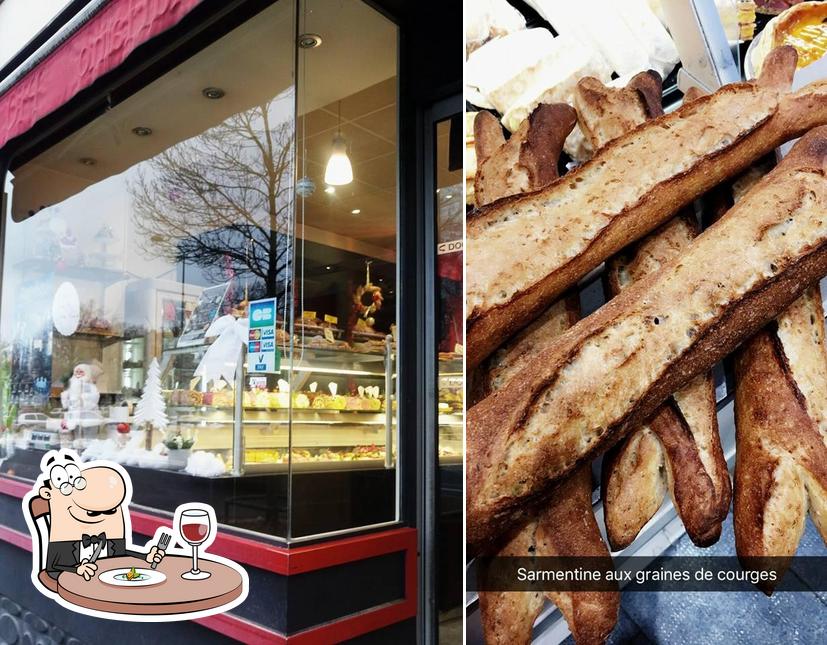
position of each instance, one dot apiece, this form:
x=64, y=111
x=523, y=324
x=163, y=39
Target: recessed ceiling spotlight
x=141, y=131
x=328, y=267
x=213, y=93
x=330, y=190
x=87, y=161
x=356, y=211
x=310, y=41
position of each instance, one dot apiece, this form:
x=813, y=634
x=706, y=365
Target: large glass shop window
x=342, y=445
x=169, y=303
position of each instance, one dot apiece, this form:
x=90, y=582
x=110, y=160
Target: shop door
x=445, y=210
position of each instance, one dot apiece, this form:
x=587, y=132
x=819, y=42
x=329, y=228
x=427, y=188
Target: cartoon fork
x=163, y=543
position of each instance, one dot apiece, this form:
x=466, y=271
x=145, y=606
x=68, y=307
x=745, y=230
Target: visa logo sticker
x=262, y=353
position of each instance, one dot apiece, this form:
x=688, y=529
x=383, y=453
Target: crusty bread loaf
x=565, y=528
x=508, y=616
x=605, y=113
x=781, y=434
x=679, y=449
x=610, y=372
x=509, y=359
x=522, y=252
x=528, y=160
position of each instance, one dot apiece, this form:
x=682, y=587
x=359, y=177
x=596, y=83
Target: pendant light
x=339, y=171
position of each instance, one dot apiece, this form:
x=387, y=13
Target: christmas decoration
x=305, y=187
x=220, y=361
x=151, y=409
x=81, y=396
x=367, y=300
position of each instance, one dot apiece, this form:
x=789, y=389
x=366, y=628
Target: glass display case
x=337, y=408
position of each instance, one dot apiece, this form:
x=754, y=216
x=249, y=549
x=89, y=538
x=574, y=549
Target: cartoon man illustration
x=87, y=516
x=78, y=516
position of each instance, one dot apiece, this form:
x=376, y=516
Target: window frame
x=204, y=25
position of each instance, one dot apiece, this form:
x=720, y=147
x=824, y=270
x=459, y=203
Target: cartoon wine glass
x=195, y=527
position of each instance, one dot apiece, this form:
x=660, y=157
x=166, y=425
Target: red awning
x=97, y=47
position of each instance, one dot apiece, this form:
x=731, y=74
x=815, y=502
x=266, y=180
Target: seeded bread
x=528, y=160
x=609, y=373
x=679, y=449
x=522, y=252
x=605, y=113
x=565, y=528
x=512, y=357
x=781, y=434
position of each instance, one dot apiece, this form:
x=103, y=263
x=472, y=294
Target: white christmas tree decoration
x=151, y=409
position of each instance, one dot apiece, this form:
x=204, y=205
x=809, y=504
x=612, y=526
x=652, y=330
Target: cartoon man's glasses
x=65, y=478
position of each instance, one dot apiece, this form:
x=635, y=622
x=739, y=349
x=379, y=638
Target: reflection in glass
x=449, y=208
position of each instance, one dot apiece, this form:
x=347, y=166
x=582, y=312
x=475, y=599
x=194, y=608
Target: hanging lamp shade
x=339, y=171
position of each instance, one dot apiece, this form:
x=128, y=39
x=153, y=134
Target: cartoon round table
x=173, y=595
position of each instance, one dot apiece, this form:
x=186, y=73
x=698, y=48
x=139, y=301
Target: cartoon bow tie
x=88, y=540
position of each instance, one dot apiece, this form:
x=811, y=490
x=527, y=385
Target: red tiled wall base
x=285, y=562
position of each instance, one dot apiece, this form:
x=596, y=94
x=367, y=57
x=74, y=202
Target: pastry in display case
x=450, y=406
x=337, y=408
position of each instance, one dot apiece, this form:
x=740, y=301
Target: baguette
x=512, y=357
x=782, y=369
x=603, y=114
x=524, y=251
x=606, y=113
x=566, y=527
x=679, y=449
x=609, y=373
x=781, y=435
x=528, y=160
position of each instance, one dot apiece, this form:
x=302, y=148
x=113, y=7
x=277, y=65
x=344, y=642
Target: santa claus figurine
x=81, y=394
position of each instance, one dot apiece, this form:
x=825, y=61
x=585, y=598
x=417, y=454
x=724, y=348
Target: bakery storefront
x=168, y=165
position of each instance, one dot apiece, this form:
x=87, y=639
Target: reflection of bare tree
x=221, y=200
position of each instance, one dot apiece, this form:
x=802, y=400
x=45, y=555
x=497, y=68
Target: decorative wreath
x=367, y=298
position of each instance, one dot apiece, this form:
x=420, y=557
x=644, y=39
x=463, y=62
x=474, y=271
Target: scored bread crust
x=508, y=616
x=605, y=113
x=565, y=528
x=527, y=160
x=679, y=449
x=600, y=379
x=509, y=359
x=781, y=435
x=524, y=251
